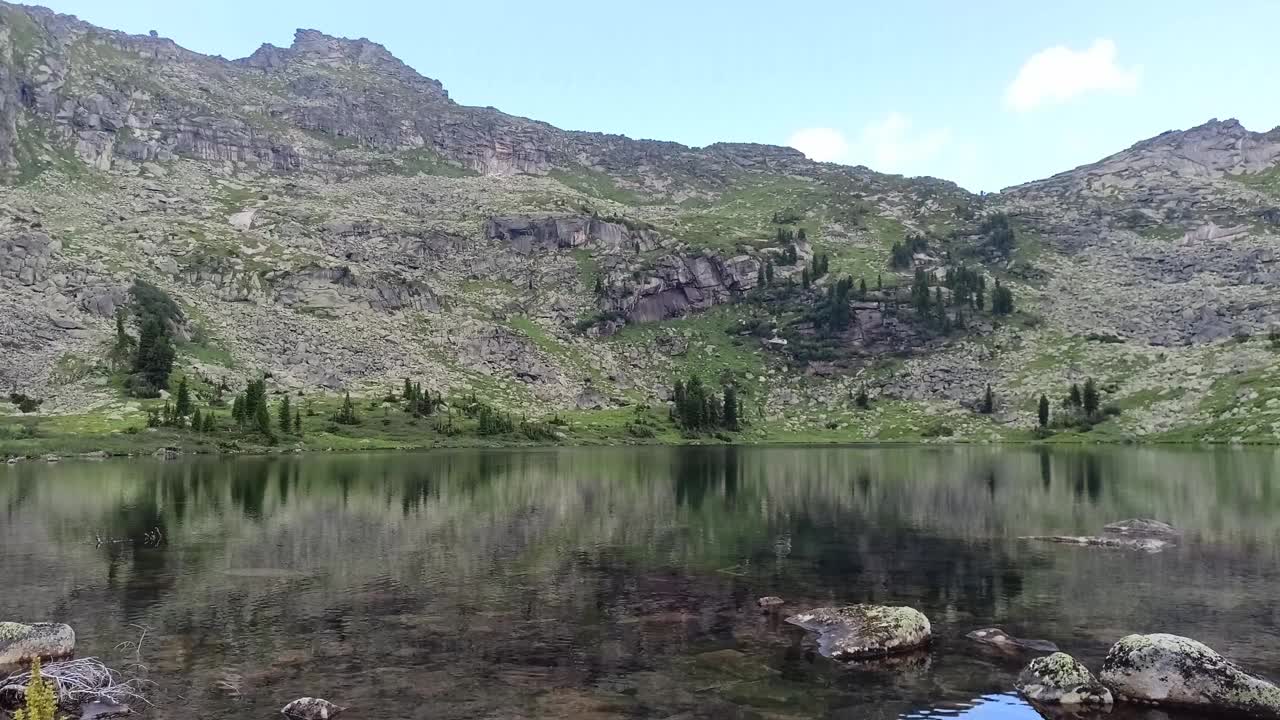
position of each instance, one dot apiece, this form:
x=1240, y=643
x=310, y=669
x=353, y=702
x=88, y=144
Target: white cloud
x=890, y=145
x=1058, y=74
x=887, y=145
x=820, y=144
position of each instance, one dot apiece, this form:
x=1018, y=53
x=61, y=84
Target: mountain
x=326, y=215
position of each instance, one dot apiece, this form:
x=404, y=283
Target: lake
x=622, y=582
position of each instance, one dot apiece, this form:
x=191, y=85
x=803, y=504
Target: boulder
x=1060, y=679
x=1140, y=528
x=309, y=708
x=997, y=638
x=770, y=604
x=863, y=632
x=20, y=642
x=1177, y=672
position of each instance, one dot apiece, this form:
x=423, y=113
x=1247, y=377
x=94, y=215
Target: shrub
x=937, y=430
x=640, y=430
x=41, y=700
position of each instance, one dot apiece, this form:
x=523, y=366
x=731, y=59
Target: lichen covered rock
x=1176, y=671
x=861, y=632
x=309, y=708
x=1060, y=679
x=20, y=642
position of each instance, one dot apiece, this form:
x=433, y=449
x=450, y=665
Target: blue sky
x=988, y=94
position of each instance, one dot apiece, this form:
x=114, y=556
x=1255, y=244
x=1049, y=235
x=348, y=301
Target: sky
x=987, y=94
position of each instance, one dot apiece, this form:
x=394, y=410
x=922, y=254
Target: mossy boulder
x=1175, y=671
x=1060, y=679
x=20, y=642
x=864, y=632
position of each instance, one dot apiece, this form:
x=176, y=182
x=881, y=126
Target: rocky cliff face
x=325, y=212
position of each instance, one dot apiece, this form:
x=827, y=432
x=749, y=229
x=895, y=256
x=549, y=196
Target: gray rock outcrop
x=1179, y=672
x=865, y=632
x=1060, y=679
x=309, y=708
x=20, y=642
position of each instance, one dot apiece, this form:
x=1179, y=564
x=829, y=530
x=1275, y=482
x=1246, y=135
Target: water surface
x=621, y=583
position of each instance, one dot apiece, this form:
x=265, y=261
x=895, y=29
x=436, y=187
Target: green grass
x=598, y=185
x=1267, y=181
x=424, y=161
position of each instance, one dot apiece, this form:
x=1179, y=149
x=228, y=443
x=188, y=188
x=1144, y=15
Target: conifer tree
x=730, y=414
x=210, y=422
x=285, y=414
x=804, y=278
x=988, y=405
x=408, y=389
x=183, y=403
x=862, y=400
x=862, y=288
x=297, y=423
x=1074, y=398
x=197, y=422
x=154, y=359
x=761, y=279
x=262, y=420
x=1042, y=412
x=1090, y=398
x=237, y=410
x=768, y=272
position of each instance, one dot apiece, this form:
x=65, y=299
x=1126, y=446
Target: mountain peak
x=314, y=47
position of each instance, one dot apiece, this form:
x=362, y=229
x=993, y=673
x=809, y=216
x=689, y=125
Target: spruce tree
x=408, y=389
x=1074, y=398
x=761, y=280
x=1090, y=398
x=730, y=415
x=768, y=272
x=154, y=360
x=297, y=423
x=804, y=278
x=1042, y=412
x=285, y=414
x=210, y=422
x=237, y=410
x=988, y=405
x=862, y=288
x=262, y=420
x=197, y=422
x=183, y=404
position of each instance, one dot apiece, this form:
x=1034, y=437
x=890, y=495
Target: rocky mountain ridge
x=326, y=214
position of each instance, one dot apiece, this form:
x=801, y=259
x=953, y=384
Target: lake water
x=621, y=583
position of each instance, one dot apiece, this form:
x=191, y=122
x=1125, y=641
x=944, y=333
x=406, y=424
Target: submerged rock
x=1149, y=545
x=771, y=603
x=862, y=632
x=998, y=638
x=1142, y=528
x=21, y=643
x=1060, y=679
x=309, y=708
x=1180, y=672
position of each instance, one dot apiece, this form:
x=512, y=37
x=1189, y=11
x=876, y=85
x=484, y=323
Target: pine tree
x=959, y=323
x=768, y=272
x=125, y=347
x=183, y=406
x=730, y=415
x=408, y=389
x=285, y=414
x=297, y=423
x=761, y=280
x=980, y=297
x=262, y=420
x=862, y=288
x=1074, y=398
x=861, y=399
x=879, y=282
x=1001, y=300
x=197, y=422
x=346, y=415
x=988, y=405
x=1090, y=398
x=154, y=360
x=1042, y=412
x=237, y=410
x=804, y=278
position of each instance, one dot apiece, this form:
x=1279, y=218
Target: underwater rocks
x=309, y=708
x=864, y=632
x=770, y=604
x=1175, y=671
x=997, y=638
x=21, y=643
x=1060, y=679
x=1146, y=535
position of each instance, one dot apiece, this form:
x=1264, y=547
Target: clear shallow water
x=621, y=583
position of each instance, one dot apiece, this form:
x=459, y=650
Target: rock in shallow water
x=309, y=708
x=1060, y=679
x=21, y=643
x=1142, y=528
x=862, y=632
x=998, y=638
x=1180, y=672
